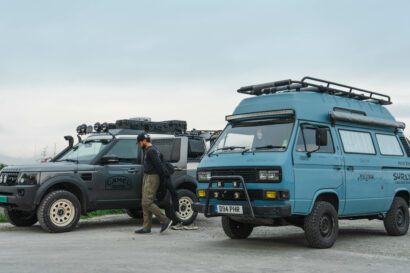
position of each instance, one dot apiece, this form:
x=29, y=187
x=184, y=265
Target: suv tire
x=135, y=213
x=59, y=211
x=186, y=214
x=396, y=222
x=321, y=225
x=236, y=230
x=20, y=218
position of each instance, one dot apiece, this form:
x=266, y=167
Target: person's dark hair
x=143, y=136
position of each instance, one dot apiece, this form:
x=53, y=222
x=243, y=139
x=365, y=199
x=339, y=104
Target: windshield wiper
x=226, y=148
x=270, y=147
x=69, y=160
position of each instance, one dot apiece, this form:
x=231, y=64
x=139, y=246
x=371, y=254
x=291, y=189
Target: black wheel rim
x=400, y=218
x=326, y=225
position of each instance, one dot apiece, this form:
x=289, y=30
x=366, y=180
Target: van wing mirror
x=108, y=159
x=321, y=137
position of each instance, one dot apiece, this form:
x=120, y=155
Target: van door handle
x=132, y=170
x=350, y=168
x=338, y=168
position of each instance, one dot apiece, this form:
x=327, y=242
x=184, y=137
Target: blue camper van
x=307, y=153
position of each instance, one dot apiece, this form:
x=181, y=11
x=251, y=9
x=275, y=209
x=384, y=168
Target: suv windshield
x=84, y=151
x=254, y=136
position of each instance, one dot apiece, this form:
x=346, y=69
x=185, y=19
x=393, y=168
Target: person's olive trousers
x=150, y=184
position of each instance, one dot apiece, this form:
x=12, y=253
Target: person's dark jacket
x=152, y=161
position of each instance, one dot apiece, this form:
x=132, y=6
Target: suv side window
x=355, y=142
x=126, y=150
x=196, y=148
x=169, y=148
x=310, y=137
x=389, y=145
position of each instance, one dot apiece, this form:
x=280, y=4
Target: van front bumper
x=260, y=211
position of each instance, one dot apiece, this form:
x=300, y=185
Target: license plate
x=229, y=209
x=3, y=199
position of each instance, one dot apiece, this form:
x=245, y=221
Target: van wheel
x=321, y=225
x=135, y=213
x=236, y=230
x=396, y=222
x=59, y=211
x=186, y=215
x=20, y=218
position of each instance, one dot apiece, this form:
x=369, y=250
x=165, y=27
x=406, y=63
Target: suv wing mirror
x=107, y=159
x=321, y=137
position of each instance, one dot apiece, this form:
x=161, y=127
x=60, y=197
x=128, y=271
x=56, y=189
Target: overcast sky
x=63, y=63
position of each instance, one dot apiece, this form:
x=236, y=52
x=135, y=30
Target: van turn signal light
x=271, y=194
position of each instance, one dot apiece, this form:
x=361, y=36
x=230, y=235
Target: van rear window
x=389, y=145
x=357, y=142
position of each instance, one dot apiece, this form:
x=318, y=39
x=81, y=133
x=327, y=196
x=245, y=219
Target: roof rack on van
x=316, y=85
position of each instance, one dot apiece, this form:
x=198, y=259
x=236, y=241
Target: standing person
x=152, y=171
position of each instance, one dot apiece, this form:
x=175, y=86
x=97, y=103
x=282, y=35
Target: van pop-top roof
x=317, y=100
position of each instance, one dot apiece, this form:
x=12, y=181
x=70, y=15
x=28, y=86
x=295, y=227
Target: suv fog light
x=271, y=194
x=201, y=193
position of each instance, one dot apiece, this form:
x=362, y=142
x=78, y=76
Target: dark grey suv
x=104, y=171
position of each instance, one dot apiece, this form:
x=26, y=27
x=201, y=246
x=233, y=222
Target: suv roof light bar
x=264, y=114
x=316, y=85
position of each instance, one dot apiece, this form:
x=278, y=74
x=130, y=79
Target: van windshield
x=254, y=136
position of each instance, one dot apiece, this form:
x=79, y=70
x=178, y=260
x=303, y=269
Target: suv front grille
x=8, y=178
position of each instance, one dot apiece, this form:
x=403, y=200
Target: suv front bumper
x=260, y=211
x=18, y=197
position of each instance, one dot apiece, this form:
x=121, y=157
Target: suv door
x=174, y=151
x=119, y=184
x=322, y=170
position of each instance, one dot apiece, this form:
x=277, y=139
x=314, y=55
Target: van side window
x=170, y=148
x=310, y=137
x=389, y=145
x=355, y=142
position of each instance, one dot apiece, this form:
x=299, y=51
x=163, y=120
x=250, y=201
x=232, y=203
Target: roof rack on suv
x=316, y=85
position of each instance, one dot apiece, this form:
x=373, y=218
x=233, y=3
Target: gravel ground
x=108, y=244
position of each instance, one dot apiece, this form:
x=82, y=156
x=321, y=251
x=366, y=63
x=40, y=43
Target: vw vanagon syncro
x=307, y=153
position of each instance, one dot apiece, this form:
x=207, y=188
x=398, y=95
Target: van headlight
x=29, y=178
x=204, y=176
x=269, y=175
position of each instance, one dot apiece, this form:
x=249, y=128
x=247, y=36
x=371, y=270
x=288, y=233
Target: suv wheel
x=21, y=218
x=59, y=211
x=322, y=226
x=236, y=230
x=186, y=215
x=396, y=222
x=135, y=213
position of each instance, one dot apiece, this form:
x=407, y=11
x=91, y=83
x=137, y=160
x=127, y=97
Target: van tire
x=186, y=214
x=321, y=225
x=20, y=218
x=236, y=230
x=67, y=212
x=396, y=222
x=135, y=213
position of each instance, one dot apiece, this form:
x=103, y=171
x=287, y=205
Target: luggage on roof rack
x=161, y=127
x=316, y=85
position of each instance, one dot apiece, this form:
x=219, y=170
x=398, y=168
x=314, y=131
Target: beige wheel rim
x=185, y=208
x=62, y=212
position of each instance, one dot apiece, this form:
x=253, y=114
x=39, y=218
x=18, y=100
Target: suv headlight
x=31, y=178
x=269, y=175
x=204, y=176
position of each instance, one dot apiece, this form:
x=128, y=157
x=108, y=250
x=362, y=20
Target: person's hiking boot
x=143, y=231
x=178, y=226
x=166, y=226
x=190, y=227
